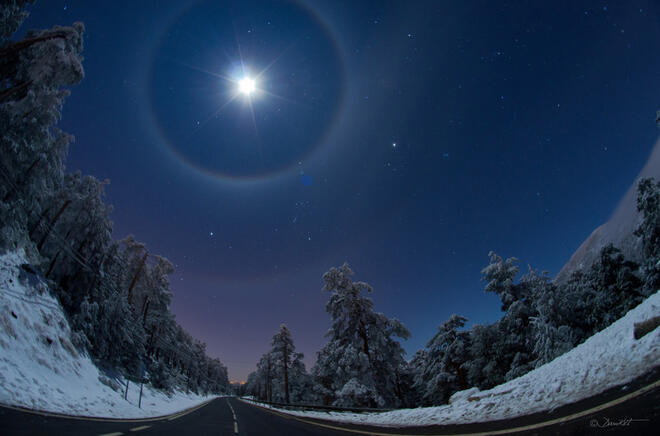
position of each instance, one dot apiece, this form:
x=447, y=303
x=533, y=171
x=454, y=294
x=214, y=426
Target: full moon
x=247, y=85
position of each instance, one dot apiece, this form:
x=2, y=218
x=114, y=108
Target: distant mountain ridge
x=619, y=229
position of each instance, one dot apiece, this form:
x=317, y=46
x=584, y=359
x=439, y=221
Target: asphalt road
x=215, y=418
x=637, y=416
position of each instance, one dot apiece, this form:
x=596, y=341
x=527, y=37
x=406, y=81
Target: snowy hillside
x=607, y=359
x=41, y=369
x=620, y=227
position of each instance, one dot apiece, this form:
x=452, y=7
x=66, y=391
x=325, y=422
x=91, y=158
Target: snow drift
x=609, y=358
x=41, y=369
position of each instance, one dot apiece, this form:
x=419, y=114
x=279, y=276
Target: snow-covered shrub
x=353, y=394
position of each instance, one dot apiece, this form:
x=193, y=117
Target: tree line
x=115, y=293
x=363, y=364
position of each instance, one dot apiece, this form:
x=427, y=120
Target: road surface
x=638, y=416
x=215, y=418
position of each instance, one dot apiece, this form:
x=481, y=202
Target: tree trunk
x=10, y=192
x=98, y=273
x=269, y=381
x=14, y=48
x=460, y=375
x=285, y=359
x=36, y=225
x=362, y=331
x=6, y=94
x=52, y=264
x=130, y=288
x=66, y=238
x=397, y=386
x=145, y=309
x=52, y=224
x=79, y=267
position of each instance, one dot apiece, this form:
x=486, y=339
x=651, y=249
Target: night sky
x=407, y=138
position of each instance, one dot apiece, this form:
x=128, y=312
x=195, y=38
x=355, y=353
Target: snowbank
x=40, y=368
x=607, y=359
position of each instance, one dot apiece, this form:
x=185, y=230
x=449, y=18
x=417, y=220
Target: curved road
x=639, y=415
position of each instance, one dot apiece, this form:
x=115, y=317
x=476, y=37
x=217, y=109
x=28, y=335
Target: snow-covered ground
x=610, y=358
x=40, y=368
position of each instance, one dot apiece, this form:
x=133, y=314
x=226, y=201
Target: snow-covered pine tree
x=442, y=366
x=515, y=339
x=617, y=289
x=283, y=352
x=12, y=14
x=32, y=149
x=359, y=365
x=301, y=384
x=266, y=371
x=488, y=365
x=648, y=204
x=73, y=241
x=552, y=324
x=500, y=276
x=63, y=224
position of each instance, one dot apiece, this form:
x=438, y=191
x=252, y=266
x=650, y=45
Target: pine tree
x=442, y=368
x=283, y=351
x=648, y=204
x=359, y=365
x=554, y=328
x=32, y=149
x=110, y=292
x=488, y=364
x=12, y=14
x=500, y=275
x=617, y=289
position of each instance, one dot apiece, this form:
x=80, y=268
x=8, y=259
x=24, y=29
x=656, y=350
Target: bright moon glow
x=247, y=86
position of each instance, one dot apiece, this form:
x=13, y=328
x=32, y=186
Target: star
x=211, y=233
x=394, y=145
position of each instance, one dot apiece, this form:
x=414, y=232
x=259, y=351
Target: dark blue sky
x=518, y=127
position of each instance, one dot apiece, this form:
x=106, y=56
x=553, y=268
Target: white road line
x=233, y=414
x=142, y=427
x=117, y=433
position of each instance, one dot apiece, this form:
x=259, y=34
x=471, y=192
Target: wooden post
x=140, y=400
x=126, y=391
